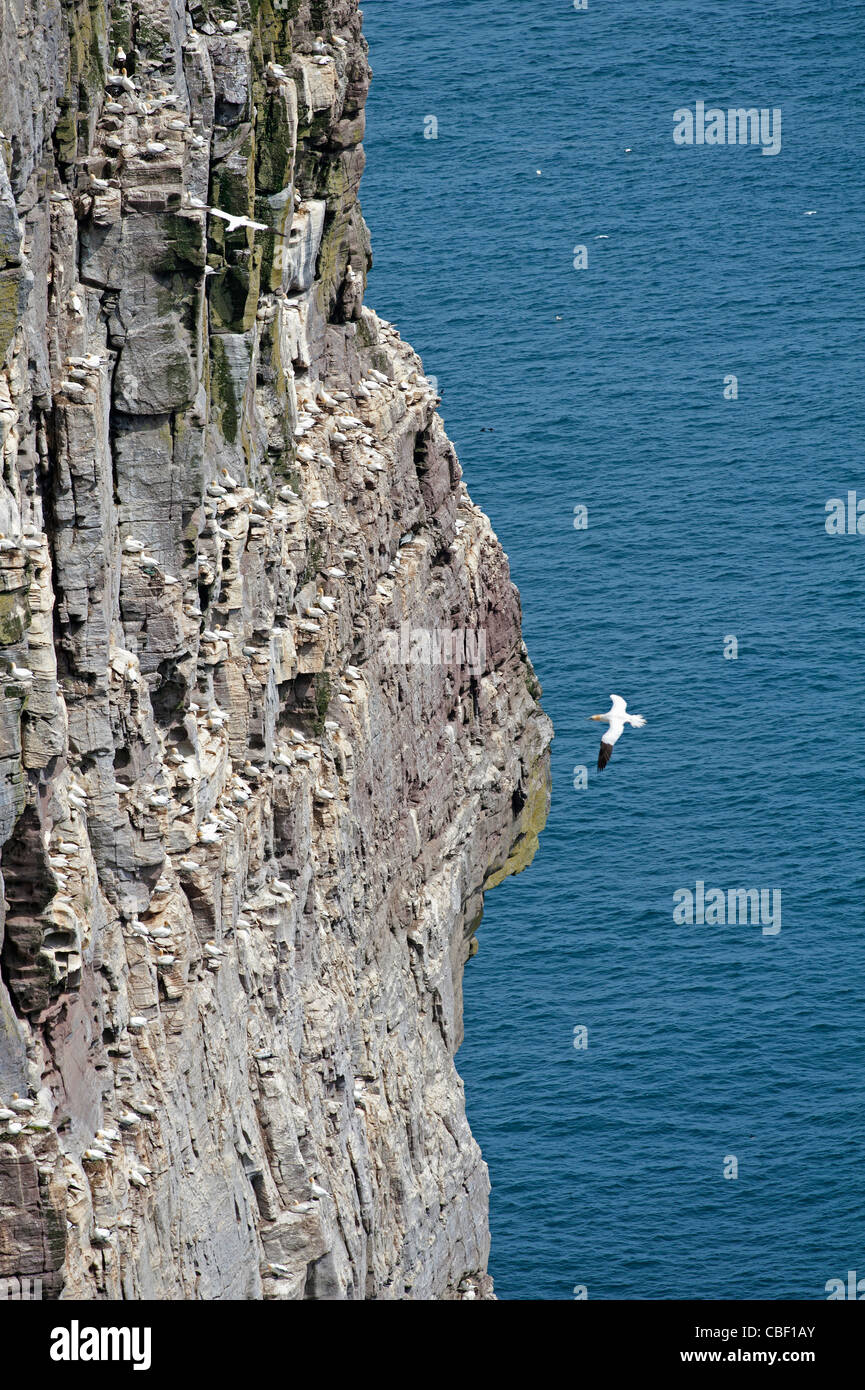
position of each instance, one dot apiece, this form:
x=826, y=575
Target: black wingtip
x=604, y=754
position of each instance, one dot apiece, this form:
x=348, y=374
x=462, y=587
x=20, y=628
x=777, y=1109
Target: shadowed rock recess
x=243, y=851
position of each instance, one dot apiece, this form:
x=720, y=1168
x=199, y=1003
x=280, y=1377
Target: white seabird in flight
x=617, y=717
x=232, y=222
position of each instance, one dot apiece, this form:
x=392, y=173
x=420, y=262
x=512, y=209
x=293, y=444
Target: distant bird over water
x=617, y=717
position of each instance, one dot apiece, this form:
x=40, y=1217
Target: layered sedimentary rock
x=245, y=839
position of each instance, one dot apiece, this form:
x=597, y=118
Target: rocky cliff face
x=246, y=827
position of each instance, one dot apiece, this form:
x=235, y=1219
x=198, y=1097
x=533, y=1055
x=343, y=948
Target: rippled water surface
x=604, y=387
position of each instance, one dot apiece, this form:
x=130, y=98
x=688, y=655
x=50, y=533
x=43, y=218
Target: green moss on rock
x=15, y=618
x=10, y=302
x=276, y=133
x=234, y=296
x=322, y=701
x=272, y=19
x=224, y=400
x=531, y=822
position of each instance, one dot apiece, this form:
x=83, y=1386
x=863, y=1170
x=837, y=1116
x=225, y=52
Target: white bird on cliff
x=617, y=717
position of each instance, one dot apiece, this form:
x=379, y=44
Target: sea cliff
x=245, y=841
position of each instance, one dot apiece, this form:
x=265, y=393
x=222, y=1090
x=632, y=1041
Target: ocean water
x=604, y=387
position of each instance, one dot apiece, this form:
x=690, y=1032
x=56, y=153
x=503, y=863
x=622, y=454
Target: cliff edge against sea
x=244, y=849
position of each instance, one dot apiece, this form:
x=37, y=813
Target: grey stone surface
x=243, y=842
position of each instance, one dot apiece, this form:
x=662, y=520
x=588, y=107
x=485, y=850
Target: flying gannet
x=233, y=222
x=617, y=718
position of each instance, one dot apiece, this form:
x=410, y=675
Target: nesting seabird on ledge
x=617, y=717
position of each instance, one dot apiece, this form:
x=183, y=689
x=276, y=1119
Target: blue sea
x=604, y=388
